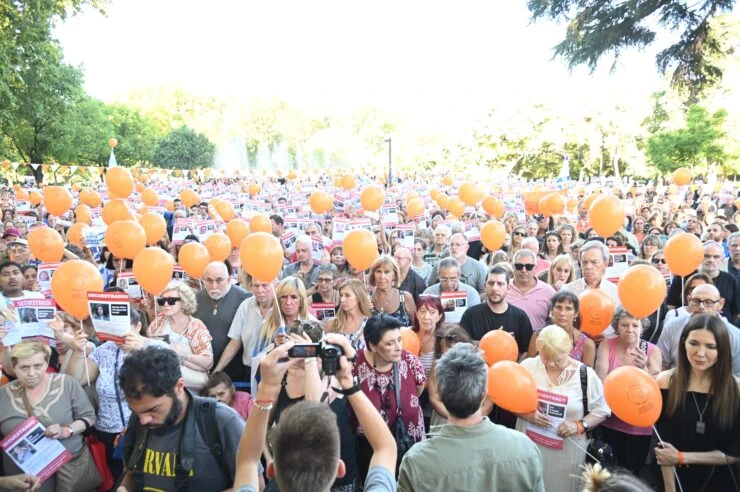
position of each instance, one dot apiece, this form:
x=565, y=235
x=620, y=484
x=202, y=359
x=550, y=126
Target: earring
x=373, y=358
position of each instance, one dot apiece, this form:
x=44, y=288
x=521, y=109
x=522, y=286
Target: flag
x=112, y=159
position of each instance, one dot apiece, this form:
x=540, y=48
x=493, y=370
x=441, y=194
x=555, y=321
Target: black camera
x=328, y=353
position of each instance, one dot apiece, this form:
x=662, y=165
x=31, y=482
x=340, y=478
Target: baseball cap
x=11, y=231
x=22, y=242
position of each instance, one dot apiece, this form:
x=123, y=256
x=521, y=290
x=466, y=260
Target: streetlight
x=390, y=162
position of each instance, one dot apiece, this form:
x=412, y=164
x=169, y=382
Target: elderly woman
x=630, y=443
x=387, y=297
x=354, y=309
x=649, y=246
x=378, y=367
x=554, y=371
x=324, y=291
x=429, y=317
x=186, y=335
x=103, y=364
x=60, y=404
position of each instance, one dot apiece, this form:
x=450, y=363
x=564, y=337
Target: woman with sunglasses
x=447, y=336
x=186, y=335
x=323, y=291
x=659, y=262
x=354, y=309
x=517, y=236
x=377, y=367
x=699, y=426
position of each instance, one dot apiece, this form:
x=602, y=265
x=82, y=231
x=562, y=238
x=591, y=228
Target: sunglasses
x=447, y=338
x=522, y=266
x=520, y=234
x=169, y=300
x=658, y=260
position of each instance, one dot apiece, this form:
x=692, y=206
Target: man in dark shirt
x=412, y=282
x=496, y=313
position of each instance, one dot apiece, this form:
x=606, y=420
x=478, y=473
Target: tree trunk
x=38, y=174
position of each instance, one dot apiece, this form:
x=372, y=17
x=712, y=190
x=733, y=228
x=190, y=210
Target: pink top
x=242, y=403
x=615, y=422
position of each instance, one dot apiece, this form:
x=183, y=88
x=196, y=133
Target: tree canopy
x=184, y=148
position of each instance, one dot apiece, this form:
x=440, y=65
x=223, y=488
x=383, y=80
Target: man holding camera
x=306, y=440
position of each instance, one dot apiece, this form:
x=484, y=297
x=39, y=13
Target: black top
x=728, y=288
x=414, y=285
x=479, y=320
x=680, y=430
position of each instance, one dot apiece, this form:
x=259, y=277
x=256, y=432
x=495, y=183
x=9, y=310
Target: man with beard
x=169, y=445
x=217, y=306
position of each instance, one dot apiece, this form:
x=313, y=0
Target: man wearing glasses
x=472, y=272
x=527, y=292
x=449, y=281
x=704, y=299
x=441, y=234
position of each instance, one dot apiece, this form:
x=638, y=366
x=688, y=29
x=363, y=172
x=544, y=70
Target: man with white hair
x=594, y=258
x=304, y=268
x=472, y=272
x=434, y=253
x=217, y=306
x=533, y=244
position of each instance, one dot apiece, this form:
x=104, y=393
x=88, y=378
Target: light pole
x=390, y=162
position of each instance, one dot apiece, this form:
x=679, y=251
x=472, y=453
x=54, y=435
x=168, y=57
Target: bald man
x=218, y=302
x=410, y=280
x=704, y=299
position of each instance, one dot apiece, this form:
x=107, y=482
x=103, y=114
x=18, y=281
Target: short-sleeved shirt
x=536, y=302
x=109, y=359
x=246, y=327
x=242, y=403
x=198, y=336
x=479, y=320
x=726, y=284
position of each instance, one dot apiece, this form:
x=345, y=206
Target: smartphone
x=304, y=350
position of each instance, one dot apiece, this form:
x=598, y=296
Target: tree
x=183, y=148
x=601, y=27
x=697, y=144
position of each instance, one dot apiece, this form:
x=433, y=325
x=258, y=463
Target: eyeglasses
x=171, y=301
x=325, y=280
x=658, y=260
x=522, y=266
x=520, y=233
x=707, y=303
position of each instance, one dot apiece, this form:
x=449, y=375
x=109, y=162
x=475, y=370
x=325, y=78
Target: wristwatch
x=584, y=423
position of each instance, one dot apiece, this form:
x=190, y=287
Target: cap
x=11, y=231
x=22, y=242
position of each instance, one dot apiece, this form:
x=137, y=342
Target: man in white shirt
x=11, y=283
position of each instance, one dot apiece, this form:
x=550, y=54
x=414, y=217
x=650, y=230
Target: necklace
x=700, y=425
x=215, y=305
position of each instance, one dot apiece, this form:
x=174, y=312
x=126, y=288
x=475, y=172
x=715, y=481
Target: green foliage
x=184, y=148
x=601, y=27
x=697, y=144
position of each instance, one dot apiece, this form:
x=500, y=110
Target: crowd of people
x=332, y=377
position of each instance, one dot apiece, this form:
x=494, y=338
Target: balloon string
x=675, y=473
x=683, y=298
x=575, y=443
x=657, y=323
x=84, y=353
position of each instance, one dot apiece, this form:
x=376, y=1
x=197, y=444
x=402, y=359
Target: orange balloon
x=433, y=193
x=237, y=230
x=498, y=345
x=189, y=197
x=194, y=258
x=447, y=181
x=494, y=207
x=684, y=253
x=140, y=187
x=57, y=200
x=360, y=248
x=572, y=204
x=372, y=198
x=682, y=176
x=469, y=193
x=83, y=214
x=456, y=206
x=91, y=198
x=543, y=207
x=261, y=256
x=153, y=269
x=606, y=215
x=21, y=194
x=125, y=238
x=76, y=233
x=327, y=203
x=316, y=202
x=261, y=223
x=143, y=178
x=112, y=143
x=348, y=182
x=120, y=181
x=512, y=387
x=254, y=188
x=116, y=210
x=410, y=341
x=71, y=283
x=76, y=187
x=150, y=197
x=154, y=226
x=642, y=290
x=633, y=395
x=218, y=245
x=737, y=203
x=555, y=203
x=443, y=201
x=590, y=200
x=35, y=198
x=415, y=207
x=493, y=234
x=225, y=209
x=170, y=206
x=46, y=244
x=595, y=311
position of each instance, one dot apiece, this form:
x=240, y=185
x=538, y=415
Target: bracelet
x=349, y=391
x=69, y=430
x=265, y=408
x=579, y=428
x=680, y=460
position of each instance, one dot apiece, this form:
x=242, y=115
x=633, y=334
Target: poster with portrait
x=127, y=282
x=44, y=275
x=454, y=304
x=324, y=311
x=32, y=318
x=552, y=405
x=406, y=235
x=109, y=312
x=34, y=453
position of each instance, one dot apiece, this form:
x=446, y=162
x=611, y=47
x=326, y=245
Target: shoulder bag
x=598, y=450
x=403, y=440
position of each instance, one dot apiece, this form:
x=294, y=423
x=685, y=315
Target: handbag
x=598, y=450
x=403, y=440
x=97, y=450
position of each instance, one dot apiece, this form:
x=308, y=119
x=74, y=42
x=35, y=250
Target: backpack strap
x=205, y=418
x=584, y=388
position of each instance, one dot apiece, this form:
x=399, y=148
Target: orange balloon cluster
x=595, y=311
x=552, y=203
x=684, y=253
x=642, y=290
x=153, y=269
x=71, y=283
x=261, y=256
x=46, y=244
x=90, y=198
x=372, y=198
x=494, y=207
x=512, y=387
x=498, y=345
x=633, y=395
x=360, y=249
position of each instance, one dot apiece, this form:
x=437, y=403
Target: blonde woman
x=562, y=271
x=354, y=309
x=186, y=335
x=387, y=298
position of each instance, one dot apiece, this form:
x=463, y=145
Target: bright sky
x=425, y=60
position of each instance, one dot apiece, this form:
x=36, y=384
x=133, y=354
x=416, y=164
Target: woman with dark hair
x=564, y=313
x=429, y=317
x=338, y=260
x=567, y=234
x=631, y=443
x=377, y=367
x=418, y=264
x=551, y=246
x=649, y=246
x=447, y=336
x=700, y=423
